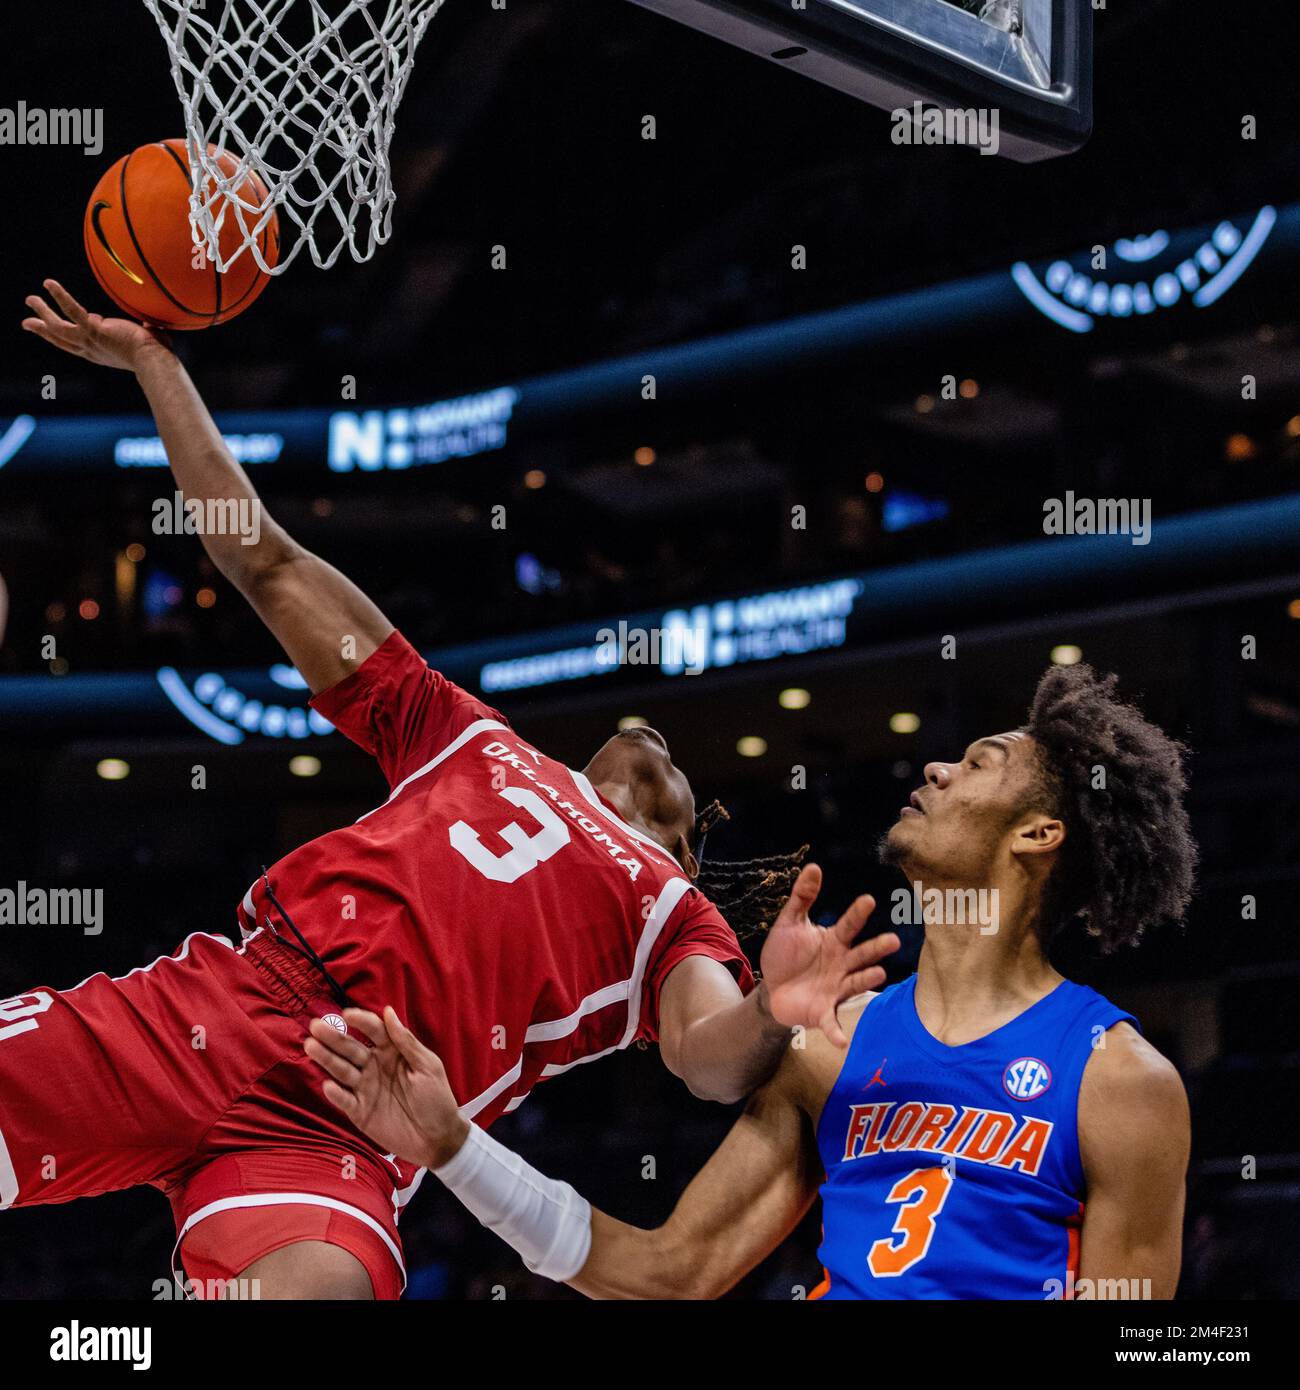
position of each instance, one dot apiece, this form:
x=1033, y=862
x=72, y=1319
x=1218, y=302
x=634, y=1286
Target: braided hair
x=749, y=893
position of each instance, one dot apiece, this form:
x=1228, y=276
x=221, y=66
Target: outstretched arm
x=743, y=1203
x=325, y=624
x=723, y=1044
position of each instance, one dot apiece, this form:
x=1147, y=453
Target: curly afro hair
x=1118, y=783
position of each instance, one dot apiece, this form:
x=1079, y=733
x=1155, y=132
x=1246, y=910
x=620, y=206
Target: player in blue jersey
x=992, y=1131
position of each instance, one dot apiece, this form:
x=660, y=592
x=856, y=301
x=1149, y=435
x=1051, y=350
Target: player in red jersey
x=527, y=917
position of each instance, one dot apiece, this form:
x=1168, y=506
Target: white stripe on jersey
x=562, y=1027
x=403, y=1195
x=479, y=726
x=629, y=989
x=176, y=956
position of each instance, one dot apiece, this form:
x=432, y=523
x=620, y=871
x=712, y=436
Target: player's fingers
x=872, y=951
x=831, y=1027
x=47, y=315
x=49, y=335
x=861, y=981
x=42, y=330
x=855, y=918
x=368, y=1024
x=806, y=887
x=411, y=1048
x=341, y=1099
x=355, y=1052
x=338, y=1067
x=65, y=301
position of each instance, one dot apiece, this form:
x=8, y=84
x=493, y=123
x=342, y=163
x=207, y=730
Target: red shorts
x=190, y=1075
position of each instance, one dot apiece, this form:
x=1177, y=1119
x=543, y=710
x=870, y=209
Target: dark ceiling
x=522, y=127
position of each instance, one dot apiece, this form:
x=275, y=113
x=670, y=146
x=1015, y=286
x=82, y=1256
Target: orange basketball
x=141, y=247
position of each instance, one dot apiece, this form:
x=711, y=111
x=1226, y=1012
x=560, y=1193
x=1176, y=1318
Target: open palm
x=107, y=342
x=810, y=970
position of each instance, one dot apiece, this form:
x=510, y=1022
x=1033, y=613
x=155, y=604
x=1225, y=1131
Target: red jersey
x=495, y=900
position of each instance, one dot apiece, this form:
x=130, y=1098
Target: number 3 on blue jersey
x=923, y=1192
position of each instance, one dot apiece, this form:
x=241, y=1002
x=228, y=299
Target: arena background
x=525, y=130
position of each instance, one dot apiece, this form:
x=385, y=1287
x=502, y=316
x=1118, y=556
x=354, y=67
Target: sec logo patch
x=1026, y=1078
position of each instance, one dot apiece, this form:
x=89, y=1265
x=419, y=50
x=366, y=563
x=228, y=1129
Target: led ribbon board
x=216, y=706
x=1146, y=275
x=1030, y=61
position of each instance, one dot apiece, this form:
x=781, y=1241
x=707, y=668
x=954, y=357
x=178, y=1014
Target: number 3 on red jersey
x=923, y=1193
x=526, y=851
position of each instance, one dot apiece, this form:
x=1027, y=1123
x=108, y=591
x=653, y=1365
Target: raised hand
x=396, y=1092
x=108, y=342
x=810, y=970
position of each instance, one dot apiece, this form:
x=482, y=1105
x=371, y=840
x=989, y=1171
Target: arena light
x=1066, y=655
x=631, y=721
x=904, y=723
x=304, y=765
x=1239, y=448
x=113, y=769
x=751, y=746
x=794, y=698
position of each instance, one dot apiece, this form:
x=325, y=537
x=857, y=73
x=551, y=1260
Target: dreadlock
x=1129, y=857
x=749, y=893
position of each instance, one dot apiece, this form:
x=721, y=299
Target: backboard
x=1028, y=60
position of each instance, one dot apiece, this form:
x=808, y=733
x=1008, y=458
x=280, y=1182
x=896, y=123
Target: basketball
x=141, y=247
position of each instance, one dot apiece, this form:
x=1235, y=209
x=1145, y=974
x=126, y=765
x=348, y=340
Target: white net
x=304, y=95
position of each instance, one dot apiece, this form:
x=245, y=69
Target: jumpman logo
x=877, y=1079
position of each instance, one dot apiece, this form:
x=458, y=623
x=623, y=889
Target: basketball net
x=303, y=93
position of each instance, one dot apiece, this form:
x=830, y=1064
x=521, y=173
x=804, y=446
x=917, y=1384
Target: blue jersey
x=954, y=1172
